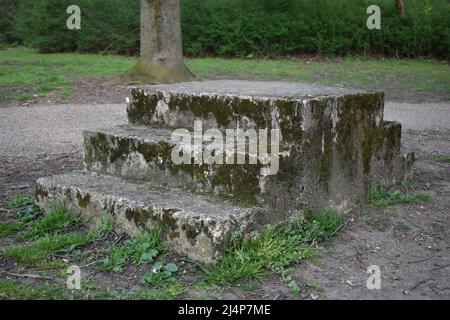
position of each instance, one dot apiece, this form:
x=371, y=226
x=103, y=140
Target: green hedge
x=247, y=27
x=42, y=24
x=9, y=9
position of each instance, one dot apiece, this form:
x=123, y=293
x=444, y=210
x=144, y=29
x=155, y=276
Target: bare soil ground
x=84, y=90
x=410, y=242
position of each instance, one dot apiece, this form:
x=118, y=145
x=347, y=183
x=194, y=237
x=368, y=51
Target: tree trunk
x=161, y=58
x=400, y=5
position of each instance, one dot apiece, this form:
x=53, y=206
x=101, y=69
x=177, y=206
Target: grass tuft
x=6, y=228
x=143, y=249
x=51, y=224
x=20, y=201
x=10, y=289
x=273, y=250
x=442, y=159
x=99, y=230
x=39, y=252
x=379, y=196
x=170, y=291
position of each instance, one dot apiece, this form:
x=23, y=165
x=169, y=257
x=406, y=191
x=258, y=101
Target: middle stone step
x=144, y=153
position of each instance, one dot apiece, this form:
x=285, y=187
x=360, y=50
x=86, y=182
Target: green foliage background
x=239, y=27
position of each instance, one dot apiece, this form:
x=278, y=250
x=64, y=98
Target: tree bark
x=161, y=57
x=400, y=5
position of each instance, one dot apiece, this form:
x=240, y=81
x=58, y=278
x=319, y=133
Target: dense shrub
x=8, y=8
x=42, y=24
x=248, y=27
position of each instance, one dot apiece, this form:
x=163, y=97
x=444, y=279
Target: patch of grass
x=316, y=287
x=20, y=201
x=169, y=291
x=23, y=98
x=142, y=249
x=45, y=89
x=424, y=197
x=65, y=93
x=46, y=73
x=274, y=249
x=207, y=286
x=379, y=196
x=392, y=212
x=403, y=227
x=26, y=210
x=38, y=253
x=13, y=290
x=6, y=228
x=51, y=224
x=286, y=276
x=390, y=75
x=100, y=229
x=380, y=225
x=25, y=68
x=410, y=185
x=28, y=213
x=442, y=159
x=203, y=297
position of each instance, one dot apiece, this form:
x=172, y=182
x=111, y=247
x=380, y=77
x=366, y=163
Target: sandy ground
x=412, y=248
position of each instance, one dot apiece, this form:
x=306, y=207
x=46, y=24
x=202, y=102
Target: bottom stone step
x=197, y=226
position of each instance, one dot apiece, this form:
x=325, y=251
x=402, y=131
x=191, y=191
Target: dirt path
x=410, y=244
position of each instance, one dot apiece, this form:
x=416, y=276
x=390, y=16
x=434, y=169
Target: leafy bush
x=247, y=27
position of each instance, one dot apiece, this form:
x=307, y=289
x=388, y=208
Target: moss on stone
x=168, y=220
x=40, y=192
x=357, y=125
x=191, y=232
x=143, y=106
x=289, y=119
x=83, y=201
x=240, y=180
x=139, y=216
x=145, y=72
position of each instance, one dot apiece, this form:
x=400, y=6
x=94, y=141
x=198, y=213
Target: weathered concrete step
x=143, y=153
x=328, y=169
x=198, y=226
x=293, y=108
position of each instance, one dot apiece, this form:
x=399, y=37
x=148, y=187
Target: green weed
x=52, y=223
x=379, y=196
x=142, y=249
x=274, y=249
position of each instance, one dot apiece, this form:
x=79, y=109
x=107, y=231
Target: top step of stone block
x=255, y=89
x=233, y=104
